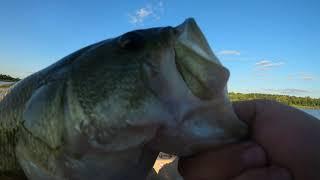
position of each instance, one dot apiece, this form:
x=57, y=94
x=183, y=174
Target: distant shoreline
x=294, y=101
x=7, y=78
x=306, y=107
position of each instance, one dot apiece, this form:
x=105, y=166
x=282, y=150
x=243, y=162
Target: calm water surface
x=3, y=82
x=314, y=112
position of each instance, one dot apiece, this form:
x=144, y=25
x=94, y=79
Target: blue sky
x=269, y=46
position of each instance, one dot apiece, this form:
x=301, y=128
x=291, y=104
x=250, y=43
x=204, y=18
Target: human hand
x=284, y=144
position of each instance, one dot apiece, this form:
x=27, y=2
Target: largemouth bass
x=107, y=110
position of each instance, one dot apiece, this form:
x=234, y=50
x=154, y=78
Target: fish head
x=192, y=86
x=161, y=88
x=107, y=110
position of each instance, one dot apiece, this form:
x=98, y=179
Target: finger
x=248, y=111
x=269, y=173
x=253, y=110
x=245, y=110
x=222, y=163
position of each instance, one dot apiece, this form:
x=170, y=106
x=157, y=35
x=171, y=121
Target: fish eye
x=131, y=41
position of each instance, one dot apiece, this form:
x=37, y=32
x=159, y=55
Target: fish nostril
x=170, y=33
x=131, y=41
x=175, y=31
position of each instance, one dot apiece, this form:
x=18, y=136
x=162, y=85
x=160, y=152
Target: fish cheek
x=43, y=116
x=41, y=132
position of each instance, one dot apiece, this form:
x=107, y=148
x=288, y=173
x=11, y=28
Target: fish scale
x=11, y=108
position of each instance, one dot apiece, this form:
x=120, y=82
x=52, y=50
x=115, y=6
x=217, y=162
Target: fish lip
x=179, y=29
x=193, y=54
x=185, y=35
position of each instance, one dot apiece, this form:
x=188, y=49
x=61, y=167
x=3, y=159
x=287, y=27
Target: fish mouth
x=191, y=87
x=205, y=117
x=199, y=67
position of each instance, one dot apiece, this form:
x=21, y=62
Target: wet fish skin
x=107, y=110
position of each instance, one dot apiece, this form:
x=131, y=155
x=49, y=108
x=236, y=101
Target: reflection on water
x=314, y=112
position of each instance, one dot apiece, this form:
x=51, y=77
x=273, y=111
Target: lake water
x=4, y=82
x=314, y=112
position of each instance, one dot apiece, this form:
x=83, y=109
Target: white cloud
x=140, y=15
x=307, y=78
x=262, y=63
x=302, y=76
x=143, y=12
x=266, y=64
x=230, y=52
x=149, y=11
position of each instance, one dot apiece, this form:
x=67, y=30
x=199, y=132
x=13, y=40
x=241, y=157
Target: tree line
x=8, y=78
x=285, y=99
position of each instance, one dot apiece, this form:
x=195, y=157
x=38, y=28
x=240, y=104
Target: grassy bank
x=4, y=86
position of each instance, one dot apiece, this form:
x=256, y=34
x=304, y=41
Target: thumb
x=222, y=163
